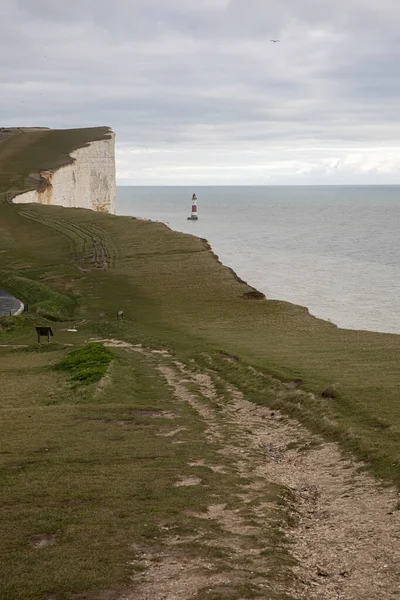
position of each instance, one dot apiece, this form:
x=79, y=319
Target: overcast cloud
x=197, y=93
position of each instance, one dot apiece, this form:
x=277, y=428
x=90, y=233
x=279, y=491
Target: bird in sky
x=275, y=41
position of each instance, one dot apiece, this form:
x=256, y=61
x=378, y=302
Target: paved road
x=7, y=303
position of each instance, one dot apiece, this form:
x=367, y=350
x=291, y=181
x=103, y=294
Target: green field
x=68, y=467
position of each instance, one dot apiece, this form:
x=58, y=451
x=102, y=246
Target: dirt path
x=344, y=533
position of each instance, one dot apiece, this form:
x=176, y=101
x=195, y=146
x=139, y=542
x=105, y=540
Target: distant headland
x=65, y=167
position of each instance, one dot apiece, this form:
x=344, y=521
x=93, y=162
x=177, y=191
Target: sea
x=333, y=249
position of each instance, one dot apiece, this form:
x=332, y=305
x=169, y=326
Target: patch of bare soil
x=42, y=540
x=153, y=413
x=202, y=463
x=112, y=343
x=173, y=432
x=174, y=578
x=188, y=481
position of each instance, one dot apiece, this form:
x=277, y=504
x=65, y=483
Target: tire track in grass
x=85, y=238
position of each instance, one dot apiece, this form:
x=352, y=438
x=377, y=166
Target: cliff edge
x=65, y=167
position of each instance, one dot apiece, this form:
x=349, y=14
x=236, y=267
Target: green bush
x=88, y=364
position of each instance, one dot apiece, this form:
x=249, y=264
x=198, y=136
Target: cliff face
x=88, y=181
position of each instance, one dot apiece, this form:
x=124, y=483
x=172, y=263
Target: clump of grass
x=11, y=323
x=87, y=365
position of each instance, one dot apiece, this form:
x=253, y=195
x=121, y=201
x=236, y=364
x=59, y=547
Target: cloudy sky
x=198, y=94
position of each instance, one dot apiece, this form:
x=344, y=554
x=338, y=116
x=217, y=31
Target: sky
x=198, y=94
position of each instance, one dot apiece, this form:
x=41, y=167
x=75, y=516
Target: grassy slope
x=25, y=153
x=176, y=295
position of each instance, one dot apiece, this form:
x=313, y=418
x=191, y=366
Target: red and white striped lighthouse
x=193, y=216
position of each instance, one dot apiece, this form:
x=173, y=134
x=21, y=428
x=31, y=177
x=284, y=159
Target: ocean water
x=334, y=249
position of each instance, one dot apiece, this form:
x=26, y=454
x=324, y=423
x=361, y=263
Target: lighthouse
x=193, y=216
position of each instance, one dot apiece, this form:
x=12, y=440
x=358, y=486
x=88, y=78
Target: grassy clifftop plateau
x=106, y=450
x=25, y=152
x=175, y=293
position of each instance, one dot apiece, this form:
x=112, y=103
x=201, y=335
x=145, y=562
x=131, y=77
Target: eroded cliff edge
x=71, y=167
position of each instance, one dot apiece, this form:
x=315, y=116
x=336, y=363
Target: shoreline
x=277, y=241
x=208, y=247
x=260, y=294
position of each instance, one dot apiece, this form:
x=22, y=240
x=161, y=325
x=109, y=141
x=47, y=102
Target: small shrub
x=88, y=364
x=330, y=392
x=254, y=295
x=11, y=323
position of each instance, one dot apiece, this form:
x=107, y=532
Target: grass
x=68, y=468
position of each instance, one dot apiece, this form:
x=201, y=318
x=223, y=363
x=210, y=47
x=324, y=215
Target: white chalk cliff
x=88, y=182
